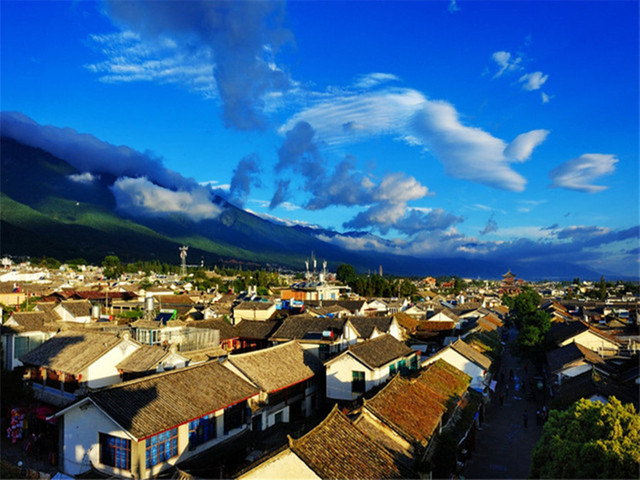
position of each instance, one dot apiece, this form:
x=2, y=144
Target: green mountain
x=43, y=211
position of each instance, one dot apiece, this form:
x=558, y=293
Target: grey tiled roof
x=379, y=351
x=153, y=404
x=146, y=358
x=365, y=325
x=471, y=353
x=71, y=351
x=337, y=449
x=277, y=367
x=298, y=327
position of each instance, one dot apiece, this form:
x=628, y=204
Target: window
x=278, y=417
x=234, y=417
x=24, y=345
x=162, y=447
x=202, y=430
x=402, y=366
x=115, y=451
x=357, y=383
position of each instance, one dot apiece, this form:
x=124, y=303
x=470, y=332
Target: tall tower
x=183, y=258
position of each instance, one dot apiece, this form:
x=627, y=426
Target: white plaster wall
x=286, y=466
x=271, y=418
x=339, y=377
x=594, y=342
x=80, y=438
x=103, y=372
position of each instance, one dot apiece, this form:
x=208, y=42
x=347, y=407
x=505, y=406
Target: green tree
x=602, y=289
x=112, y=268
x=346, y=273
x=589, y=440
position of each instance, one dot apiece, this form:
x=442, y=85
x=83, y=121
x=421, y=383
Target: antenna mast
x=183, y=258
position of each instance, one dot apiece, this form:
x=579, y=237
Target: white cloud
x=374, y=79
x=506, y=63
x=466, y=152
x=85, y=177
x=453, y=6
x=146, y=198
x=580, y=173
x=533, y=81
x=521, y=148
x=545, y=98
x=129, y=58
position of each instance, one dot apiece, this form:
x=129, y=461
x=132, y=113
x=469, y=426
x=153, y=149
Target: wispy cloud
x=453, y=6
x=130, y=59
x=466, y=152
x=580, y=173
x=491, y=226
x=374, y=79
x=533, y=81
x=506, y=62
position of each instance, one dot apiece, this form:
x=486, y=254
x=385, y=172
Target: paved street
x=504, y=445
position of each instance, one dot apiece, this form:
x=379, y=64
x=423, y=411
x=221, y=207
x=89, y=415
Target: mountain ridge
x=50, y=214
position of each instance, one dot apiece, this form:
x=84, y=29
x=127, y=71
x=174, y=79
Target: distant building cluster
x=140, y=381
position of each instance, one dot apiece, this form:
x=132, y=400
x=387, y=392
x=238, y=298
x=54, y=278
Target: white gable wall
x=593, y=342
x=80, y=445
x=103, y=372
x=286, y=465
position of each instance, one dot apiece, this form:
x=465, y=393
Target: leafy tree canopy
x=589, y=440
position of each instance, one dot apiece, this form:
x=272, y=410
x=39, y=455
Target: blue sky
x=478, y=129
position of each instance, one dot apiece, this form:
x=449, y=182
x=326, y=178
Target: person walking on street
x=501, y=398
x=506, y=391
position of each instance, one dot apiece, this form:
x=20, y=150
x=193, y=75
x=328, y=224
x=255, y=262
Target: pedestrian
x=501, y=396
x=506, y=390
x=538, y=417
x=502, y=377
x=525, y=418
x=544, y=414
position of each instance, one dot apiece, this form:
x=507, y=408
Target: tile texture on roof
x=406, y=321
x=414, y=408
x=559, y=332
x=254, y=306
x=409, y=408
x=365, y=325
x=226, y=330
x=71, y=351
x=256, y=329
x=159, y=402
x=277, y=367
x=77, y=308
x=297, y=326
x=337, y=449
x=29, y=321
x=380, y=350
x=471, y=353
x=146, y=358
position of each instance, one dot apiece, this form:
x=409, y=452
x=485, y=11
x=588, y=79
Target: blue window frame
x=162, y=447
x=115, y=451
x=202, y=430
